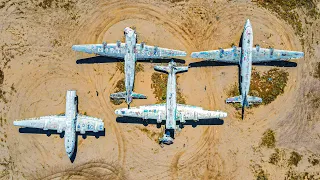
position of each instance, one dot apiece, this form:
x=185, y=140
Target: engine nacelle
x=271, y=52
x=142, y=45
x=118, y=44
x=83, y=129
x=159, y=120
x=45, y=127
x=221, y=52
x=59, y=129
x=96, y=127
x=257, y=47
x=155, y=50
x=195, y=117
x=104, y=44
x=182, y=120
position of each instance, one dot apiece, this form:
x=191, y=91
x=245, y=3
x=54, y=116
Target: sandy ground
x=39, y=64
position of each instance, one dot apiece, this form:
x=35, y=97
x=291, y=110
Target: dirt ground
x=38, y=67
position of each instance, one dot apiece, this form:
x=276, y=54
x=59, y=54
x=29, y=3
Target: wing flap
x=267, y=55
x=44, y=122
x=155, y=111
x=88, y=123
x=111, y=50
x=154, y=52
x=188, y=112
x=231, y=55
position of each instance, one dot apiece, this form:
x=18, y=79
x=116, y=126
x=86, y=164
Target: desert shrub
x=294, y=158
x=268, y=139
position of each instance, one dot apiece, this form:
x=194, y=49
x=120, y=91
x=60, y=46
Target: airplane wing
x=145, y=52
x=187, y=112
x=116, y=50
x=45, y=122
x=155, y=111
x=267, y=55
x=231, y=55
x=88, y=123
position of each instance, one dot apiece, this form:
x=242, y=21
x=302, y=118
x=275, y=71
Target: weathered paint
x=130, y=52
x=245, y=56
x=171, y=112
x=71, y=123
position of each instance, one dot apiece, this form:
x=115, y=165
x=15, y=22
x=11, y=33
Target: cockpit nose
x=69, y=152
x=248, y=24
x=128, y=30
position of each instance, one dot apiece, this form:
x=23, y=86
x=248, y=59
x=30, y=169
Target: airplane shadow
x=50, y=132
x=98, y=59
x=133, y=120
x=167, y=60
x=277, y=64
x=208, y=63
x=105, y=59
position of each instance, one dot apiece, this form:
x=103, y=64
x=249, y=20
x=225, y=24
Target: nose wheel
x=166, y=139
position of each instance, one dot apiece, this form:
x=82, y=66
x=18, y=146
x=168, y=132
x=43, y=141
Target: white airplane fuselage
x=129, y=62
x=171, y=105
x=246, y=60
x=71, y=117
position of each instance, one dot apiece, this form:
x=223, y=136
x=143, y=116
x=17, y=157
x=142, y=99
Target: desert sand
x=39, y=66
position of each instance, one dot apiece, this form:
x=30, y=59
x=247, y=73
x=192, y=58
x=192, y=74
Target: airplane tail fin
x=171, y=67
x=138, y=96
x=118, y=95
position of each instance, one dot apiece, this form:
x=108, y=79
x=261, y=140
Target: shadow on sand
x=105, y=59
x=133, y=120
x=208, y=63
x=50, y=132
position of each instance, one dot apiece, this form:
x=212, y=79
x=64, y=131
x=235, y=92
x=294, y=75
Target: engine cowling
x=59, y=130
x=83, y=129
x=96, y=127
x=142, y=45
x=182, y=120
x=118, y=44
x=195, y=117
x=45, y=127
x=159, y=120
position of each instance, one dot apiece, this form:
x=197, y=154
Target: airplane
x=131, y=52
x=245, y=56
x=71, y=123
x=171, y=112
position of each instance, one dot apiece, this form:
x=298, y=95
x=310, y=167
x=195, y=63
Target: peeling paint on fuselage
x=71, y=115
x=246, y=60
x=171, y=104
x=129, y=62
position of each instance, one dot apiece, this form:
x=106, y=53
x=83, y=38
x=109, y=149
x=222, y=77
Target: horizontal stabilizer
x=167, y=69
x=254, y=100
x=119, y=95
x=181, y=69
x=236, y=99
x=138, y=96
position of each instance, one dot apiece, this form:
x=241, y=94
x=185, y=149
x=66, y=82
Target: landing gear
x=167, y=138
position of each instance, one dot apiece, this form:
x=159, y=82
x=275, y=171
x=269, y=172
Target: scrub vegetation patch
x=266, y=85
x=120, y=87
x=287, y=10
x=159, y=86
